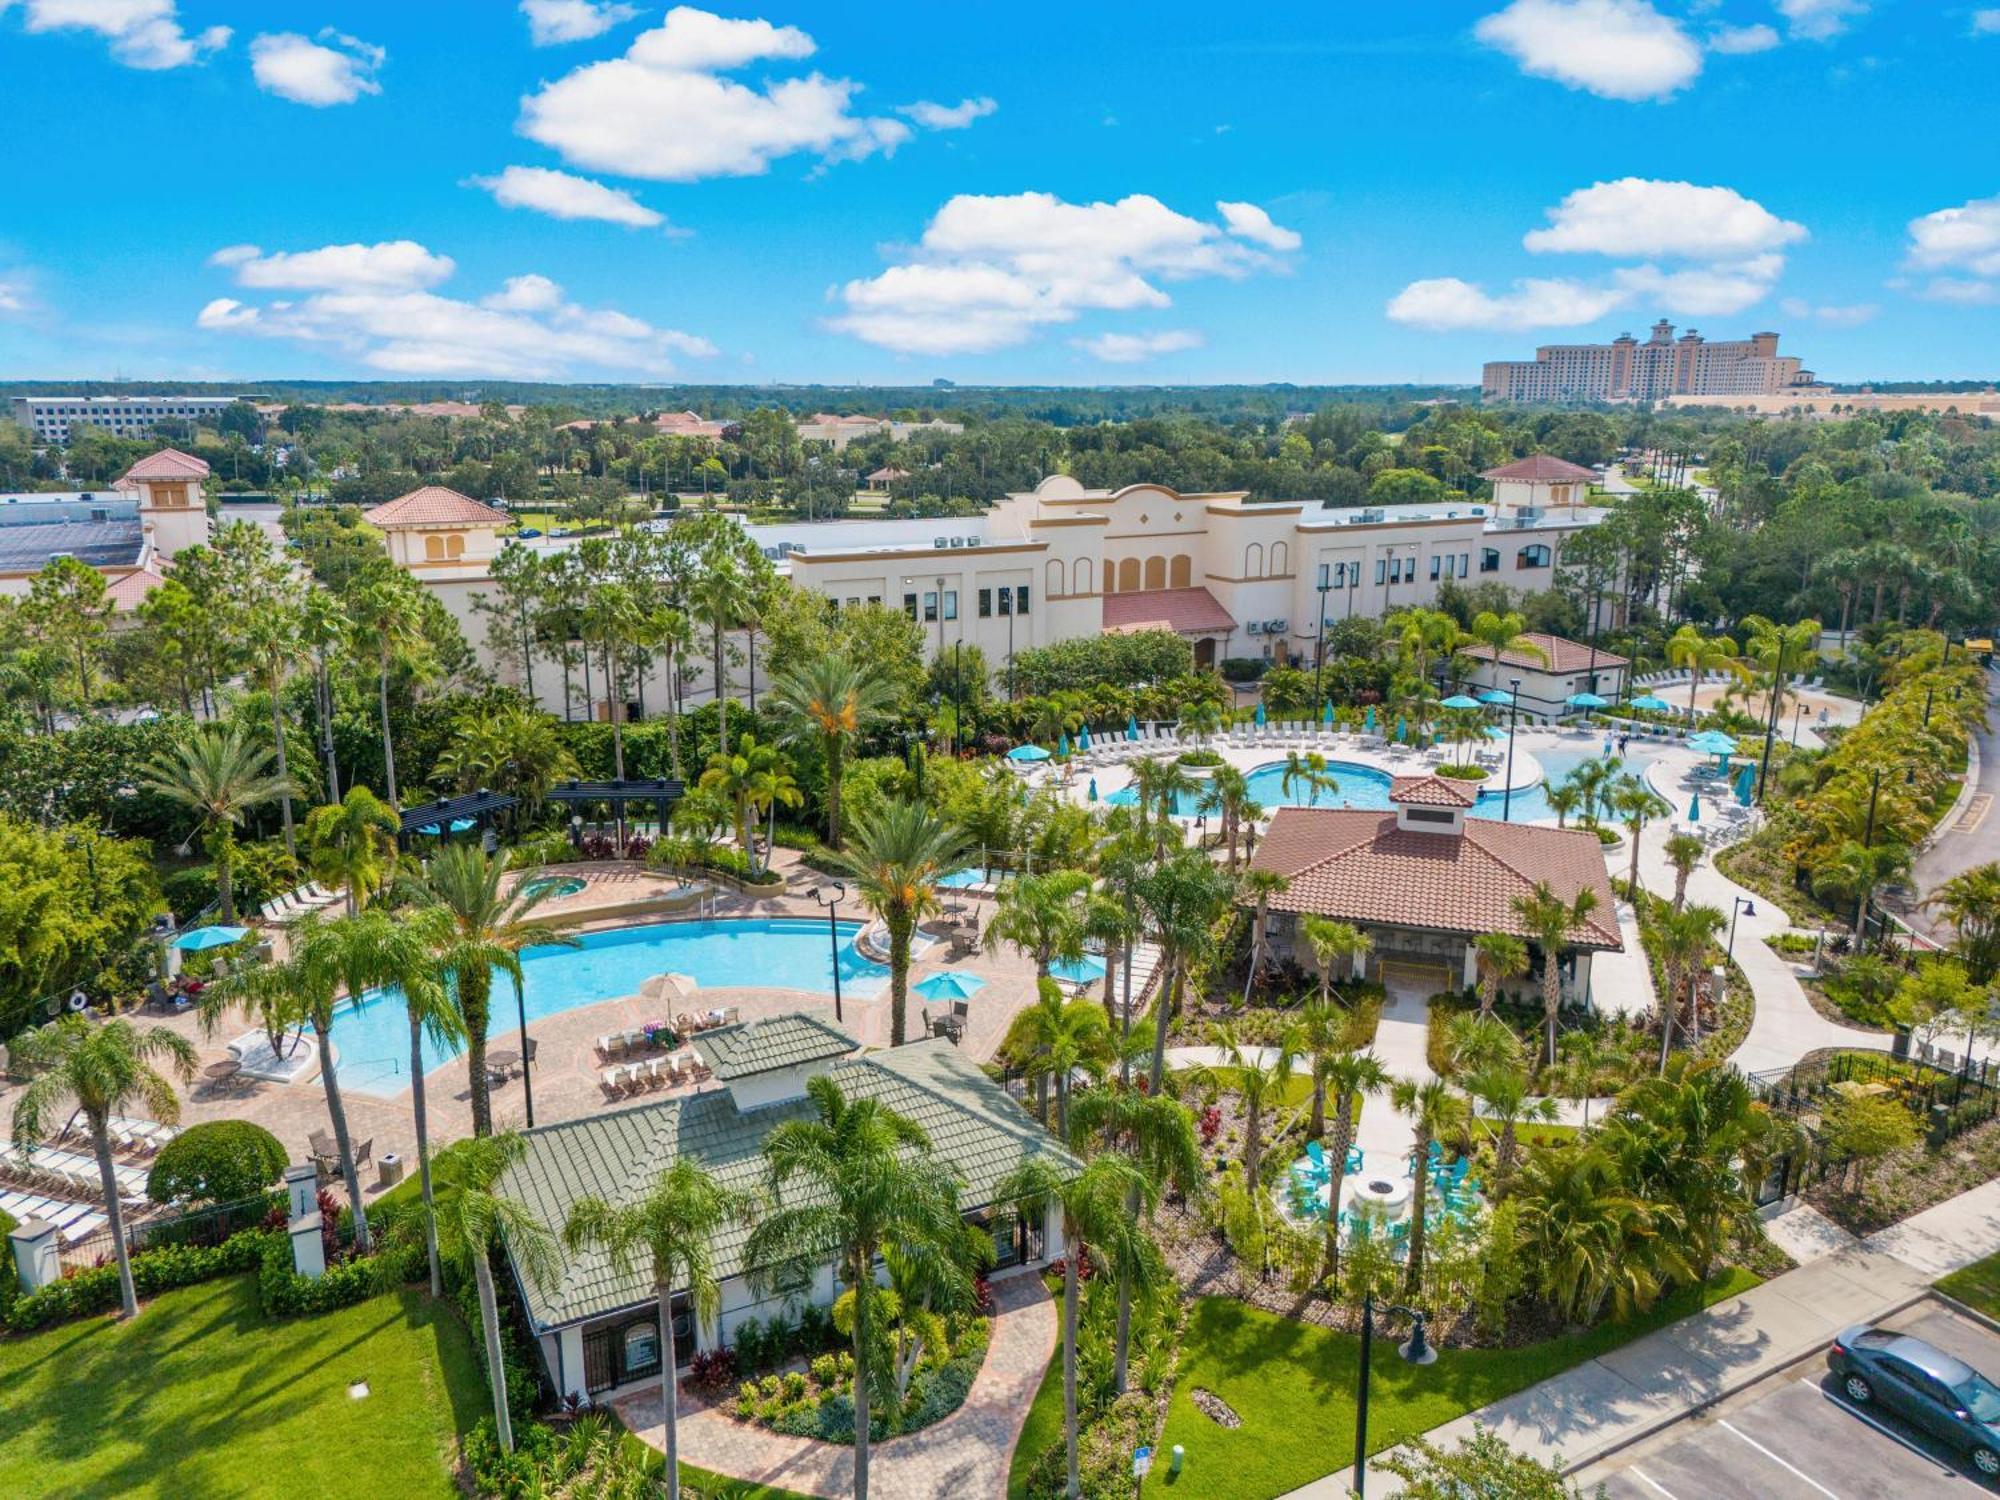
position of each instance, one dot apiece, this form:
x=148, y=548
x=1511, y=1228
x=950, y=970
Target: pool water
x=372, y=1041
x=959, y=880
x=1366, y=788
x=548, y=886
x=1083, y=970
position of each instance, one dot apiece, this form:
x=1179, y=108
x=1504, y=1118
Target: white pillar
x=1053, y=1244
x=301, y=1189
x=36, y=1255
x=1470, y=974
x=569, y=1343
x=308, y=1254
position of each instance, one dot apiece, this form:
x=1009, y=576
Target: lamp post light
x=1738, y=906
x=1513, y=713
x=1798, y=713
x=1416, y=1351
x=830, y=896
x=1319, y=642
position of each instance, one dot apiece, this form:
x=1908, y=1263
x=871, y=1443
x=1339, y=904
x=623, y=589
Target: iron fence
x=199, y=1226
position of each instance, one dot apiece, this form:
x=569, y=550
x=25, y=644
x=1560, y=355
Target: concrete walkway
x=965, y=1454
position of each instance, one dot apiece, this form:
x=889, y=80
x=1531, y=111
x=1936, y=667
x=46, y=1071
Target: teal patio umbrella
x=1083, y=738
x=1062, y=744
x=1132, y=728
x=1744, y=781
x=1027, y=755
x=1370, y=725
x=951, y=985
x=1587, y=700
x=200, y=939
x=1259, y=716
x=1093, y=789
x=1651, y=704
x=1402, y=728
x=1694, y=808
x=1326, y=712
x=1494, y=698
x=1459, y=700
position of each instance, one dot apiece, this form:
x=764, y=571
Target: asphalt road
x=1971, y=841
x=1794, y=1437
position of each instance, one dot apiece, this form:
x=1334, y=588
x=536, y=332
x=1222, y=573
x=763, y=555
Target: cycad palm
x=673, y=1226
x=101, y=1071
x=896, y=857
x=835, y=699
x=352, y=843
x=217, y=774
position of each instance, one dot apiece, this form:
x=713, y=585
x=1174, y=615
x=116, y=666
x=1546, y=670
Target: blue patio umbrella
x=1093, y=789
x=1370, y=725
x=1260, y=716
x=1694, y=808
x=1062, y=744
x=1651, y=704
x=1459, y=700
x=1587, y=700
x=202, y=938
x=1131, y=728
x=1027, y=754
x=1744, y=781
x=1402, y=728
x=951, y=986
x=1326, y=712
x=1125, y=796
x=1712, y=742
x=1083, y=737
x=1494, y=698
x=1495, y=732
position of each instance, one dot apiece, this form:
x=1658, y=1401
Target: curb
x=1966, y=792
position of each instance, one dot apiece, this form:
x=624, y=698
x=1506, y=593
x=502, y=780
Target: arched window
x=1128, y=576
x=1080, y=574
x=1156, y=572
x=1181, y=573
x=1489, y=560
x=1253, y=560
x=454, y=546
x=434, y=548
x=1053, y=578
x=1281, y=559
x=1536, y=556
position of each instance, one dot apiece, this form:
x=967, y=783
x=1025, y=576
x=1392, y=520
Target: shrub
x=218, y=1161
x=770, y=1385
x=795, y=1385
x=748, y=1341
x=153, y=1272
x=540, y=849
x=826, y=1369
x=1243, y=668
x=283, y=1292
x=1204, y=758
x=1462, y=773
x=712, y=1369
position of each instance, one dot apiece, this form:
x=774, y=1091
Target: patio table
x=502, y=1063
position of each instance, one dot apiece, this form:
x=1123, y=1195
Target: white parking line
x=1854, y=1411
x=1790, y=1468
x=1641, y=1474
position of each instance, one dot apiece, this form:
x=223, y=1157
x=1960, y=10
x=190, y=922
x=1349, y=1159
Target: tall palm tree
x=1182, y=898
x=1504, y=632
x=1684, y=939
x=102, y=1070
x=1434, y=1111
x=1044, y=916
x=1227, y=796
x=1501, y=956
x=1701, y=655
x=388, y=618
x=897, y=856
x=613, y=619
x=221, y=777
x=673, y=1224
x=1321, y=1034
x=1156, y=1133
x=862, y=1179
x=1055, y=1038
x=352, y=843
x=1260, y=886
x=1502, y=1092
x=1162, y=784
x=409, y=958
x=1307, y=771
x=1684, y=853
x=718, y=596
x=753, y=777
x=1097, y=1223
x=1335, y=948
x=484, y=928
x=514, y=749
x=1551, y=920
x=1970, y=901
x=274, y=637
x=473, y=1218
x=1349, y=1077
x=1634, y=802
x=835, y=699
x=1258, y=1075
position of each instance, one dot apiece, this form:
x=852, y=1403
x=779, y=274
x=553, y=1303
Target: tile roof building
x=597, y=1328
x=1551, y=669
x=130, y=533
x=438, y=531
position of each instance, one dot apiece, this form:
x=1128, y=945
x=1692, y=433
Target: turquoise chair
x=1318, y=1154
x=1354, y=1158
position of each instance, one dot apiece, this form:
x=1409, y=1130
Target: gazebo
x=660, y=792
x=449, y=815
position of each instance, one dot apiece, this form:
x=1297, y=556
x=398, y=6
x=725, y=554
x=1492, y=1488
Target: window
x=1489, y=560
x=1428, y=815
x=1536, y=556
x=1326, y=575
x=1437, y=567
x=433, y=548
x=853, y=601
x=1021, y=600
x=642, y=1349
x=985, y=604
x=1180, y=573
x=951, y=604
x=1465, y=565
x=454, y=546
x=1381, y=571
x=1006, y=601
x=930, y=606
x=910, y=605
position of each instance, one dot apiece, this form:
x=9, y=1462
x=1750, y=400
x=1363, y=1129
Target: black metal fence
x=199, y=1226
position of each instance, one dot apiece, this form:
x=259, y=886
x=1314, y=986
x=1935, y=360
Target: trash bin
x=391, y=1169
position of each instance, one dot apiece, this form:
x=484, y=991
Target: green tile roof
x=786, y=1041
x=971, y=1121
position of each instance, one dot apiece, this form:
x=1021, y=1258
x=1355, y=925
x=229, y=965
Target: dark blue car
x=1929, y=1389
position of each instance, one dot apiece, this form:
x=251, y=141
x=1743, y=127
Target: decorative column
x=301, y=1190
x=308, y=1254
x=36, y=1256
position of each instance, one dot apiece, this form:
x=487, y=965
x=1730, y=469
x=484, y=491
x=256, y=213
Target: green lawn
x=1043, y=1428
x=1293, y=1385
x=1978, y=1285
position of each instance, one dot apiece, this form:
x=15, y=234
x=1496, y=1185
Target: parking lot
x=1794, y=1437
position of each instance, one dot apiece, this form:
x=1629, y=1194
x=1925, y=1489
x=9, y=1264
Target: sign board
x=1142, y=1462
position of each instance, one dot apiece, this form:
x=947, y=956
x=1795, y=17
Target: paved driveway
x=1794, y=1437
x=1972, y=839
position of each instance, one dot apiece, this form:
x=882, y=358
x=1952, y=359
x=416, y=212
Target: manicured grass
x=1293, y=1386
x=1978, y=1285
x=1043, y=1429
x=202, y=1395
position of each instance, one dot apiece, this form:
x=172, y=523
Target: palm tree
x=1308, y=771
x=473, y=1218
x=1097, y=1223
x=1182, y=897
x=483, y=928
x=673, y=1224
x=1054, y=1039
x=1336, y=946
x=1634, y=802
x=1162, y=784
x=1971, y=902
x=1043, y=916
x=613, y=619
x=1228, y=796
x=1501, y=956
x=516, y=750
x=1857, y=869
x=754, y=777
x=1434, y=1111
x=273, y=635
x=1700, y=655
x=1585, y=1235
x=1564, y=797
x=408, y=956
x=867, y=1180
x=1593, y=781
x=1156, y=1134
x=835, y=699
x=352, y=844
x=719, y=599
x=1503, y=1094
x=102, y=1070
x=1258, y=1075
x=1504, y=632
x=897, y=856
x=1550, y=920
x=388, y=622
x=1349, y=1077
x=1684, y=853
x=1260, y=886
x=221, y=777
x=1320, y=1034
x=1683, y=938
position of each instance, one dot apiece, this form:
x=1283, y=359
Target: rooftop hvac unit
x=941, y=542
x=973, y=541
x=1370, y=516
x=958, y=541
x=1255, y=627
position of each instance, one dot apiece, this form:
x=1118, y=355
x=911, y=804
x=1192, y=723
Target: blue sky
x=1030, y=193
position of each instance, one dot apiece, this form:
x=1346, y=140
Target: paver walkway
x=966, y=1454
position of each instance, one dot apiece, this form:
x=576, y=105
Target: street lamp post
x=1797, y=714
x=1771, y=724
x=1738, y=905
x=830, y=896
x=1319, y=642
x=1513, y=713
x=1417, y=1351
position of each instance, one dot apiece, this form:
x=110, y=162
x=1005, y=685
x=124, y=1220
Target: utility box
x=36, y=1254
x=308, y=1254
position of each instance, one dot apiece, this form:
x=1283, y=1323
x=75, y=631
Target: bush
x=1202, y=758
x=283, y=1292
x=795, y=1385
x=1462, y=773
x=1243, y=668
x=687, y=854
x=826, y=1369
x=218, y=1161
x=153, y=1272
x=541, y=849
x=712, y=1369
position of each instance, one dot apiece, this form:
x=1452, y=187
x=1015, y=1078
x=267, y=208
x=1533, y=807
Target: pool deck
x=567, y=1068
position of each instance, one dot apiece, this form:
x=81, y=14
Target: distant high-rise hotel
x=1627, y=370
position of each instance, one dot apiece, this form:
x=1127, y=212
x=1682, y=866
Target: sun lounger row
x=295, y=904
x=75, y=1220
x=636, y=1077
x=70, y=1171
x=142, y=1137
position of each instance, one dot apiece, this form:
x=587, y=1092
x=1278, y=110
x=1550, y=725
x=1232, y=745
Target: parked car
x=560, y=531
x=1932, y=1390
x=529, y=531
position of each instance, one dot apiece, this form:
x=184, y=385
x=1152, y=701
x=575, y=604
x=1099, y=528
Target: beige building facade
x=1661, y=367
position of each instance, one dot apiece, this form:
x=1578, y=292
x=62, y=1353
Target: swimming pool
x=372, y=1041
x=1367, y=788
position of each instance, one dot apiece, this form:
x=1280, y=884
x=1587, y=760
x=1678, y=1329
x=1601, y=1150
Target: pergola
x=661, y=792
x=449, y=815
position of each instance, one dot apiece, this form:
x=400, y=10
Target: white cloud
x=1966, y=238
x=391, y=265
x=1699, y=291
x=1958, y=290
x=360, y=306
x=1445, y=303
x=142, y=33
x=990, y=271
x=1249, y=222
x=1986, y=23
x=554, y=21
x=948, y=116
x=1130, y=348
x=663, y=111
x=336, y=69
x=1640, y=216
x=1737, y=40
x=1852, y=316
x=563, y=196
x=1618, y=49
x=15, y=298
x=1818, y=20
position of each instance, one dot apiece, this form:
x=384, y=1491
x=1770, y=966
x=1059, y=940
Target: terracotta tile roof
x=434, y=505
x=1542, y=468
x=1431, y=791
x=127, y=593
x=168, y=463
x=1559, y=654
x=1184, y=611
x=1359, y=867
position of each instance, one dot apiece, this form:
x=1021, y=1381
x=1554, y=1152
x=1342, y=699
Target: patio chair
x=323, y=1147
x=1355, y=1157
x=1316, y=1154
